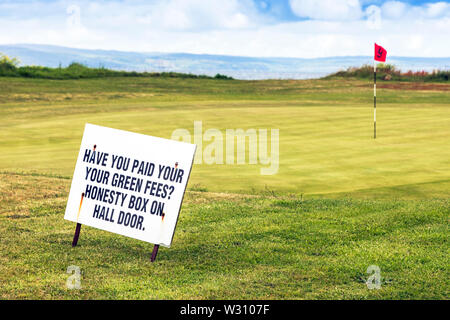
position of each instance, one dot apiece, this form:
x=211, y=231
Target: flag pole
x=374, y=99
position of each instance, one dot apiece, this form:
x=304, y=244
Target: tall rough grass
x=390, y=72
x=9, y=68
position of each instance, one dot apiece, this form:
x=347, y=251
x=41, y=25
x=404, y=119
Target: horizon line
x=211, y=54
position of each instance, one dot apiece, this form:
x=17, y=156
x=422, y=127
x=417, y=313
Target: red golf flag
x=380, y=53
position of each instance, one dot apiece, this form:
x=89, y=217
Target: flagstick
x=374, y=100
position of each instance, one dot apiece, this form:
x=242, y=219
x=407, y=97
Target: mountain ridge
x=239, y=67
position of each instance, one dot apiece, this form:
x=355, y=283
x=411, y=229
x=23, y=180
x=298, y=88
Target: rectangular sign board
x=129, y=183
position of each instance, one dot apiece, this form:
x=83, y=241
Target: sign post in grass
x=128, y=183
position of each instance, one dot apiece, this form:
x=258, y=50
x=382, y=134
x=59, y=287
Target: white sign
x=129, y=183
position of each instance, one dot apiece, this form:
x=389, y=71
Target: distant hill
x=234, y=66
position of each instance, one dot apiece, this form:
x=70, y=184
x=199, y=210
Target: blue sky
x=288, y=28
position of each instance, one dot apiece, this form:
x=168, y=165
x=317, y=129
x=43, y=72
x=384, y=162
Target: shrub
x=222, y=76
x=9, y=68
x=390, y=72
x=8, y=65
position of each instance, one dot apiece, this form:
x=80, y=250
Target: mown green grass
x=227, y=247
x=326, y=129
x=340, y=202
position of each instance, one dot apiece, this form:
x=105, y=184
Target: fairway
x=340, y=201
x=325, y=126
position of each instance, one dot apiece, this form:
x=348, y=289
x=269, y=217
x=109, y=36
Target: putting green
x=325, y=130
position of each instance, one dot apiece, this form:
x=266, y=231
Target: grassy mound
x=390, y=72
x=9, y=68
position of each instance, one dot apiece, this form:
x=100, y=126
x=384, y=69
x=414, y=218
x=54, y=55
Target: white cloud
x=438, y=9
x=184, y=15
x=401, y=10
x=393, y=9
x=327, y=9
x=229, y=27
